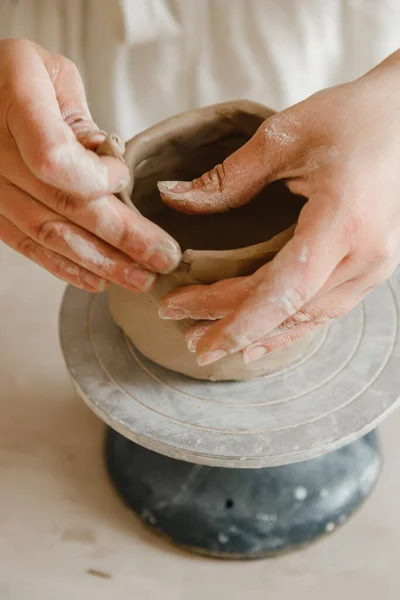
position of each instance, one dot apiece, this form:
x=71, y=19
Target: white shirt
x=143, y=60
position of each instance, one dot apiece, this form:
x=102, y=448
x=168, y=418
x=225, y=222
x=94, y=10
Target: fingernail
x=122, y=184
x=210, y=357
x=175, y=314
x=97, y=284
x=174, y=187
x=94, y=138
x=139, y=278
x=254, y=354
x=165, y=258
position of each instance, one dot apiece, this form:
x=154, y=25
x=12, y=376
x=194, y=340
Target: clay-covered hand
x=340, y=149
x=56, y=202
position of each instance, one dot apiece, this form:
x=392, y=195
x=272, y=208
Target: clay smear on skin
x=287, y=301
x=110, y=224
x=217, y=293
x=166, y=189
x=87, y=251
x=323, y=157
x=207, y=193
x=67, y=157
x=303, y=256
x=74, y=270
x=276, y=129
x=194, y=335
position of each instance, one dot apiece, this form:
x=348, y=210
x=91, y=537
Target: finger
x=106, y=217
x=341, y=299
x=51, y=230
x=277, y=338
x=46, y=143
x=319, y=311
x=263, y=159
x=115, y=223
x=58, y=265
x=194, y=334
x=207, y=302
x=285, y=285
x=278, y=341
x=218, y=300
x=70, y=93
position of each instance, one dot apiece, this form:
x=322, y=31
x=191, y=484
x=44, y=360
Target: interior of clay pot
x=184, y=157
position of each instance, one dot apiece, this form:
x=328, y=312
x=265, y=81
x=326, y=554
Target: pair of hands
x=339, y=149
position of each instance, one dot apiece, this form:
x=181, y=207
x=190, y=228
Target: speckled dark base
x=243, y=513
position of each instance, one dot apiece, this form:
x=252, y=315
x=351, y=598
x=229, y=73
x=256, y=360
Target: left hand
x=340, y=149
x=57, y=203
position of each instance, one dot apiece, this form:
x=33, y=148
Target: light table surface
x=65, y=534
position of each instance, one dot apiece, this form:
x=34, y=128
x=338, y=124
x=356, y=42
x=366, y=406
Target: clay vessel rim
x=146, y=143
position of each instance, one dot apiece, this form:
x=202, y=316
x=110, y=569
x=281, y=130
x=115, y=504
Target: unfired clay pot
x=215, y=246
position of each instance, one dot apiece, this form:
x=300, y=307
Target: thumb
x=263, y=159
x=71, y=98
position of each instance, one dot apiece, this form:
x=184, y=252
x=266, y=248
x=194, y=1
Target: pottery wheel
x=342, y=388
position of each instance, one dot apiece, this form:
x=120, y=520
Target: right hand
x=56, y=202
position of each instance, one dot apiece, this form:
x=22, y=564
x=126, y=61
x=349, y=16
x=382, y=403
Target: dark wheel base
x=243, y=513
